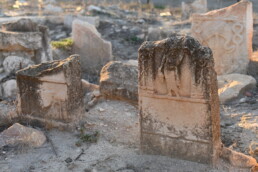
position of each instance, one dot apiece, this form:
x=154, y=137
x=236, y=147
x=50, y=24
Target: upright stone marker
x=228, y=32
x=94, y=51
x=51, y=91
x=178, y=100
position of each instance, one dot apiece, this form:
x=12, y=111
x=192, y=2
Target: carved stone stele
x=178, y=100
x=51, y=91
x=228, y=32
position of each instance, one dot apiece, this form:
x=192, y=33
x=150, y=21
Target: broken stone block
x=19, y=134
x=229, y=36
x=12, y=64
x=119, y=80
x=25, y=38
x=178, y=100
x=233, y=86
x=51, y=91
x=94, y=51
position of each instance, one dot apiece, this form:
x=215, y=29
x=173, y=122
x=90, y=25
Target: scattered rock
x=68, y=160
x=238, y=159
x=9, y=88
x=60, y=35
x=119, y=80
x=53, y=9
x=19, y=134
x=243, y=100
x=14, y=63
x=233, y=86
x=101, y=109
x=94, y=8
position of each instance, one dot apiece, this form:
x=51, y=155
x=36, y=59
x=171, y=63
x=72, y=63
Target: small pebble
x=68, y=160
x=101, y=109
x=242, y=100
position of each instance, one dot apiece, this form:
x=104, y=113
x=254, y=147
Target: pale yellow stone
x=228, y=32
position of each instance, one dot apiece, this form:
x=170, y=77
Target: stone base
x=157, y=144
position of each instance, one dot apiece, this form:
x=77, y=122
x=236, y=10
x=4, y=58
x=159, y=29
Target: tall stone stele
x=228, y=32
x=95, y=52
x=178, y=100
x=51, y=91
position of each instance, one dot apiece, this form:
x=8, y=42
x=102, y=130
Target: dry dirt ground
x=117, y=147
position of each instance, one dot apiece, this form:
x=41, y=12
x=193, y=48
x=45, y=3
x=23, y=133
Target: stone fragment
x=14, y=63
x=19, y=134
x=68, y=20
x=198, y=6
x=94, y=51
x=25, y=37
x=89, y=87
x=238, y=159
x=119, y=80
x=233, y=86
x=9, y=88
x=178, y=100
x=229, y=36
x=52, y=9
x=51, y=91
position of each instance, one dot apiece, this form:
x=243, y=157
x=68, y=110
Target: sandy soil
x=117, y=148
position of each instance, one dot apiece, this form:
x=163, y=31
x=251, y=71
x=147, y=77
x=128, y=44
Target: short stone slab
x=178, y=100
x=51, y=90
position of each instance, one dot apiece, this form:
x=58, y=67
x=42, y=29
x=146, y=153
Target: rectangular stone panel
x=228, y=32
x=178, y=100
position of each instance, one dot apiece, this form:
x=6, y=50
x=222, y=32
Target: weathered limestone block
x=119, y=80
x=228, y=32
x=233, y=86
x=94, y=51
x=178, y=100
x=25, y=36
x=51, y=90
